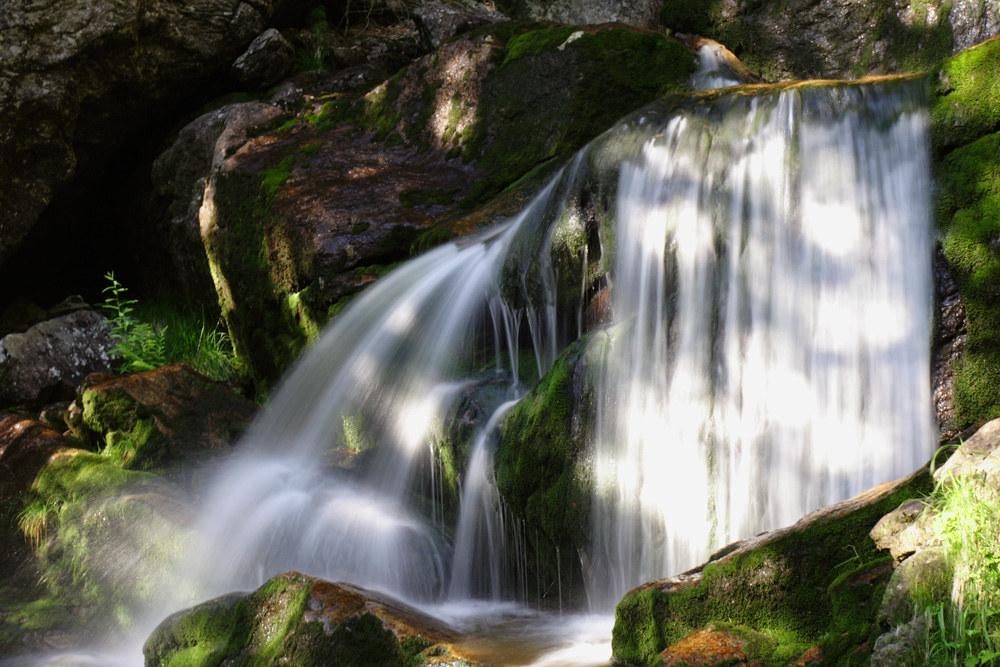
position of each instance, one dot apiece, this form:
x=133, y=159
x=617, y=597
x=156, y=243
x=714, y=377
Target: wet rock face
x=949, y=345
x=47, y=362
x=79, y=76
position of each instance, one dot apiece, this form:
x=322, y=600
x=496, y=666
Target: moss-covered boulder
x=796, y=595
x=104, y=540
x=965, y=117
x=544, y=475
x=295, y=619
x=801, y=39
x=513, y=96
x=164, y=417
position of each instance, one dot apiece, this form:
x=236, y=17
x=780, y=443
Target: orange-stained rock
x=332, y=603
x=705, y=647
x=813, y=656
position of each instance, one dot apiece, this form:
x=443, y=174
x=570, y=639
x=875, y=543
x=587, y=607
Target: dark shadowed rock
x=636, y=13
x=268, y=58
x=438, y=22
x=77, y=77
x=179, y=175
x=48, y=361
x=837, y=38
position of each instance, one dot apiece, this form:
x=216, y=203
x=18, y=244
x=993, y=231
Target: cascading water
x=767, y=354
x=772, y=307
x=767, y=256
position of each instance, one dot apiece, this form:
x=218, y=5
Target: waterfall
x=766, y=253
x=772, y=307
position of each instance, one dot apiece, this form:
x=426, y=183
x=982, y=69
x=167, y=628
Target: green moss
x=790, y=589
x=104, y=549
x=255, y=275
x=277, y=176
x=607, y=73
x=968, y=214
x=543, y=475
x=966, y=96
x=431, y=238
x=424, y=197
x=309, y=149
x=268, y=628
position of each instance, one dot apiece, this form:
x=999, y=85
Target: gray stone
x=904, y=646
x=438, y=22
x=268, y=58
x=906, y=530
x=640, y=14
x=921, y=580
x=979, y=455
x=48, y=361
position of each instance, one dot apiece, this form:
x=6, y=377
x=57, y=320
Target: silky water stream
x=764, y=257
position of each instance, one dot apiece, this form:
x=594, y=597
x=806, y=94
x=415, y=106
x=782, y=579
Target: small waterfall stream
x=766, y=255
x=767, y=354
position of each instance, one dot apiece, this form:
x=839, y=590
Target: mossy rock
x=528, y=93
x=965, y=117
x=543, y=473
x=800, y=39
x=966, y=96
x=815, y=586
x=164, y=417
x=295, y=619
x=104, y=538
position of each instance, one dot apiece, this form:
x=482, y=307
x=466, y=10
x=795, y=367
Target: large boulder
x=79, y=77
x=796, y=595
x=636, y=13
x=296, y=220
x=48, y=361
x=836, y=38
x=300, y=620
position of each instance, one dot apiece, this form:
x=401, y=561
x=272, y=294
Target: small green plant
x=140, y=345
x=965, y=632
x=151, y=334
x=35, y=518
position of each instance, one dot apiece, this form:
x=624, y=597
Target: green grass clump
x=151, y=334
x=966, y=631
